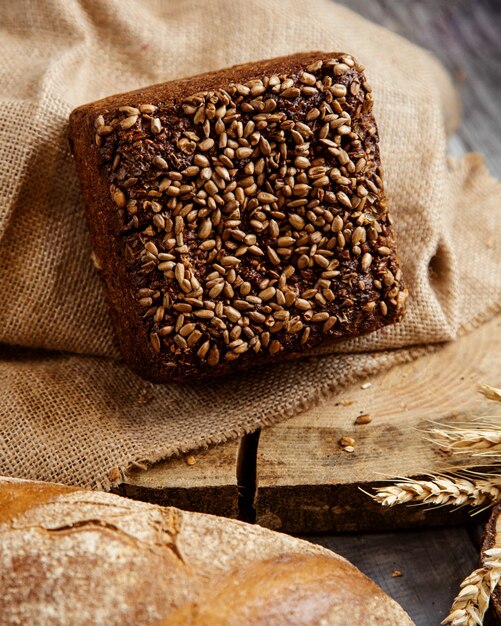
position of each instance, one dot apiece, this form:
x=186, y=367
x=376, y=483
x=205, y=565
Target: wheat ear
x=472, y=601
x=452, y=490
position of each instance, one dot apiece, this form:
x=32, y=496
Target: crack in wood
x=247, y=476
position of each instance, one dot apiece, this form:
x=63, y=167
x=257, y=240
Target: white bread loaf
x=75, y=557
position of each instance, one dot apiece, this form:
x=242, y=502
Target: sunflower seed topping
x=255, y=223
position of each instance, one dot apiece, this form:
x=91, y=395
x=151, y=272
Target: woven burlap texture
x=71, y=417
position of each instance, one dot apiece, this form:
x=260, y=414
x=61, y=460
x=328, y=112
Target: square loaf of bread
x=238, y=217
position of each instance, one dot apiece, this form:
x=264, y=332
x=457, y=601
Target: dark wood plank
x=476, y=530
x=204, y=481
x=432, y=564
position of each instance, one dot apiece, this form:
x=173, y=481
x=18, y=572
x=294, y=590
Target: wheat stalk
x=472, y=601
x=440, y=490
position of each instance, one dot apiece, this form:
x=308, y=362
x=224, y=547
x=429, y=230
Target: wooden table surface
x=420, y=568
x=466, y=36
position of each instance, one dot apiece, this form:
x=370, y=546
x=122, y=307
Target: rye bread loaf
x=239, y=217
x=70, y=556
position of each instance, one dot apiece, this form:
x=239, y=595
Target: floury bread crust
x=238, y=217
x=75, y=557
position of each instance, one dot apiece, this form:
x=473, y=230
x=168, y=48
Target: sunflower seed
x=103, y=131
x=205, y=228
x=329, y=324
x=161, y=163
x=267, y=294
x=366, y=261
x=155, y=125
x=358, y=235
x=263, y=196
x=155, y=342
x=206, y=144
x=296, y=221
x=302, y=305
x=338, y=90
x=204, y=348
x=128, y=122
x=204, y=314
x=307, y=79
x=119, y=198
x=147, y=108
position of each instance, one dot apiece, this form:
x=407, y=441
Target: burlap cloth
x=72, y=414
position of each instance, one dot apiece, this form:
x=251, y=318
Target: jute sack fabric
x=72, y=414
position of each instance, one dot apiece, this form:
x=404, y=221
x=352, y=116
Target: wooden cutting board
x=298, y=479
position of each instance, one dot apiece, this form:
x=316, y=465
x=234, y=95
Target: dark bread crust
x=491, y=539
x=124, y=278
